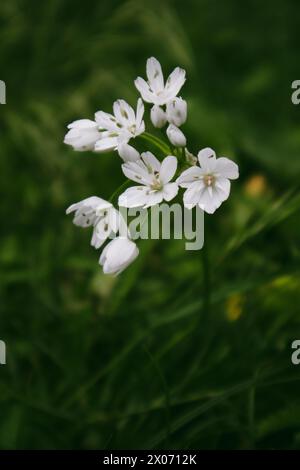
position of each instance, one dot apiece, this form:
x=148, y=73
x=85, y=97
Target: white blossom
x=158, y=116
x=208, y=185
x=176, y=136
x=120, y=127
x=82, y=135
x=117, y=255
x=177, y=111
x=155, y=90
x=154, y=177
x=98, y=213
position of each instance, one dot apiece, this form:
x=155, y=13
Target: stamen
x=209, y=180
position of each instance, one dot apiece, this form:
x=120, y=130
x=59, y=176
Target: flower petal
x=152, y=163
x=106, y=144
x=124, y=113
x=137, y=171
x=227, y=168
x=144, y=89
x=153, y=198
x=155, y=75
x=174, y=83
x=170, y=191
x=139, y=115
x=168, y=169
x=222, y=186
x=136, y=196
x=189, y=176
x=106, y=121
x=192, y=195
x=83, y=124
x=210, y=200
x=207, y=159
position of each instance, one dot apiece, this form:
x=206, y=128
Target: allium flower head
x=208, y=185
x=154, y=176
x=155, y=90
x=120, y=127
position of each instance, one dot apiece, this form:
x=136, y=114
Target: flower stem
x=157, y=142
x=206, y=280
x=119, y=190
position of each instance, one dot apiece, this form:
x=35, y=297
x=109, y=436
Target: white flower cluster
x=206, y=185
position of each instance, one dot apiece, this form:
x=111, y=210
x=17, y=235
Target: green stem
x=206, y=280
x=158, y=143
x=119, y=190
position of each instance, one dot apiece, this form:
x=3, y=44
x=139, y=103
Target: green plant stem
x=119, y=190
x=206, y=280
x=158, y=143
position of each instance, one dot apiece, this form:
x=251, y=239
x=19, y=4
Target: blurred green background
x=135, y=361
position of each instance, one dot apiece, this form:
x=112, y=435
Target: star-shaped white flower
x=154, y=176
x=208, y=185
x=98, y=213
x=120, y=127
x=155, y=90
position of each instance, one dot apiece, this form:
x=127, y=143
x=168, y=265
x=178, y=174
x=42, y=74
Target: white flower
x=82, y=135
x=117, y=255
x=209, y=185
x=155, y=178
x=158, y=116
x=128, y=153
x=176, y=136
x=99, y=213
x=120, y=127
x=177, y=111
x=155, y=90
x=88, y=210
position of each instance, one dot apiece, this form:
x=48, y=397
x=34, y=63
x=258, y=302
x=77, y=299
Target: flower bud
x=117, y=255
x=177, y=111
x=176, y=136
x=190, y=158
x=128, y=153
x=158, y=116
x=82, y=135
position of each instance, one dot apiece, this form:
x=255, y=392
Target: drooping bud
x=190, y=158
x=176, y=136
x=158, y=116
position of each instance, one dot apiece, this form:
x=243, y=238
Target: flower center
x=209, y=180
x=156, y=184
x=132, y=129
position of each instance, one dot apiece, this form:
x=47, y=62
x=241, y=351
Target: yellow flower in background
x=234, y=307
x=256, y=185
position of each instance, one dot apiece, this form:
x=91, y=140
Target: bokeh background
x=137, y=361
